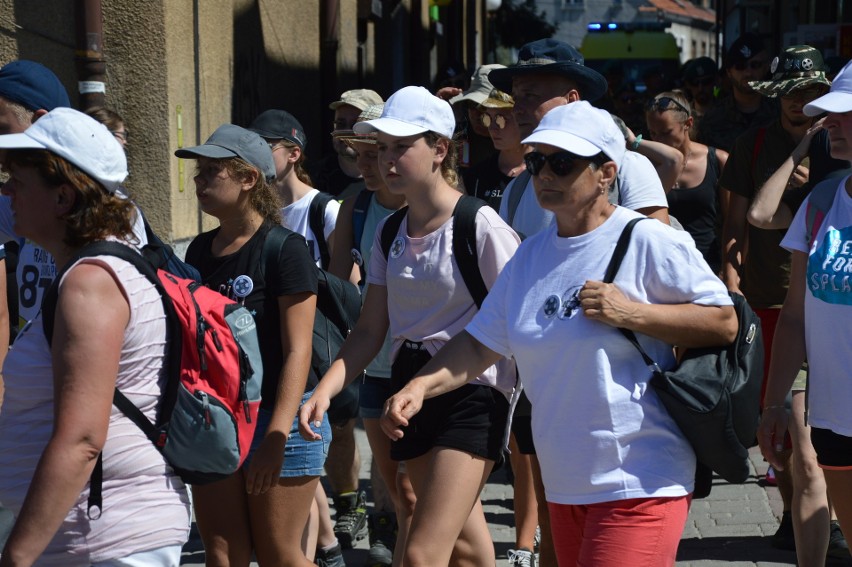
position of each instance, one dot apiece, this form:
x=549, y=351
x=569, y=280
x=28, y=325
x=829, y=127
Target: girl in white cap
x=418, y=291
x=814, y=323
x=618, y=489
x=264, y=506
x=109, y=332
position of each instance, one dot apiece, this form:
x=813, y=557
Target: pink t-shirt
x=145, y=506
x=428, y=300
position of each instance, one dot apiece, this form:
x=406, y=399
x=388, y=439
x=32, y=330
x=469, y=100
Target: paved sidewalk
x=729, y=528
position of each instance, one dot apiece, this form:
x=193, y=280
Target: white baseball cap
x=410, y=111
x=581, y=129
x=838, y=99
x=78, y=138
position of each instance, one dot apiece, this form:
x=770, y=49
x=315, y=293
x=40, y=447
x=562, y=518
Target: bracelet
x=634, y=145
x=783, y=407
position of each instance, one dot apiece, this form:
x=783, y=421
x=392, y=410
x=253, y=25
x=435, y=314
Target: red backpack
x=208, y=414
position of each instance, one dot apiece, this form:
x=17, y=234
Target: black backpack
x=714, y=393
x=464, y=242
x=316, y=220
x=359, y=220
x=338, y=304
x=161, y=255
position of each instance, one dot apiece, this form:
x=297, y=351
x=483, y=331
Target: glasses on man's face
x=498, y=120
x=808, y=94
x=754, y=64
x=702, y=82
x=561, y=163
x=664, y=103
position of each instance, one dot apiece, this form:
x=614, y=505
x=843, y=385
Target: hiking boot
x=837, y=546
x=331, y=558
x=537, y=538
x=351, y=524
x=521, y=558
x=783, y=538
x=382, y=527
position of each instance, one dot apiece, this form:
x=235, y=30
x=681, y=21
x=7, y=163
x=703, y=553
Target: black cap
x=279, y=125
x=744, y=48
x=699, y=67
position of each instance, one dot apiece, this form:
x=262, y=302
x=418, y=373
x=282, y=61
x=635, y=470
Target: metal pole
x=89, y=56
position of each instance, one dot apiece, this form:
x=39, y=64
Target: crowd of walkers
x=478, y=224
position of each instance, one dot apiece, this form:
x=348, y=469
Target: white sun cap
x=581, y=129
x=410, y=111
x=838, y=99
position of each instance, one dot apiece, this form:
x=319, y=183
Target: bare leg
x=840, y=490
x=547, y=553
x=384, y=483
x=309, y=536
x=222, y=516
x=325, y=531
x=344, y=461
x=447, y=483
x=810, y=500
x=278, y=518
x=525, y=505
x=404, y=511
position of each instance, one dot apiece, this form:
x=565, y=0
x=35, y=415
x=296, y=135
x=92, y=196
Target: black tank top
x=697, y=209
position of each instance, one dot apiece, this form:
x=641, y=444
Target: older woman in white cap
x=417, y=290
x=264, y=506
x=814, y=323
x=109, y=332
x=619, y=491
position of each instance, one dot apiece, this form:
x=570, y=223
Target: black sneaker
x=351, y=524
x=837, y=546
x=382, y=527
x=331, y=558
x=783, y=538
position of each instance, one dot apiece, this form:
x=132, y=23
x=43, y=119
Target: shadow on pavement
x=754, y=549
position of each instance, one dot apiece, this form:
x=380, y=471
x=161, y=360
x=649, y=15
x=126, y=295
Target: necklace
x=682, y=169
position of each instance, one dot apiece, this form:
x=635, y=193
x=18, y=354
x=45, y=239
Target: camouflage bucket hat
x=797, y=67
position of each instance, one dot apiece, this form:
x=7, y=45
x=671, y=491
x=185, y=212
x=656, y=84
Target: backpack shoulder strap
x=359, y=216
x=390, y=229
x=464, y=246
x=316, y=220
x=271, y=251
x=819, y=202
x=518, y=189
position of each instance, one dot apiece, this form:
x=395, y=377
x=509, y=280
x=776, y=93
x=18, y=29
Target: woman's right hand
x=774, y=422
x=312, y=411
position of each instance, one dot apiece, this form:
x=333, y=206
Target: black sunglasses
x=663, y=103
x=561, y=163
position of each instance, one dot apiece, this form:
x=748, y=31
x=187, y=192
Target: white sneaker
x=521, y=558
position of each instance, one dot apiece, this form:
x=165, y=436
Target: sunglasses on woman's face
x=499, y=120
x=561, y=163
x=664, y=103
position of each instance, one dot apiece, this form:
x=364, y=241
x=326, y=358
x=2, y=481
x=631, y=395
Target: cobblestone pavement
x=729, y=528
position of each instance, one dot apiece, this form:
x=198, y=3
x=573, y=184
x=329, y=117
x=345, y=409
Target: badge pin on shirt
x=242, y=286
x=551, y=306
x=398, y=247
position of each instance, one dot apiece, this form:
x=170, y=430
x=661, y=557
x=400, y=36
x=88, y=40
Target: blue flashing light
x=612, y=26
x=594, y=27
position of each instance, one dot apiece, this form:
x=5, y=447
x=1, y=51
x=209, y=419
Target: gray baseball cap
x=230, y=141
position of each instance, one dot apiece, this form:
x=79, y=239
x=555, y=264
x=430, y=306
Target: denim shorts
x=301, y=458
x=374, y=393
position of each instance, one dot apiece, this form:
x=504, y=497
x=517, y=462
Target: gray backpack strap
x=820, y=200
x=518, y=189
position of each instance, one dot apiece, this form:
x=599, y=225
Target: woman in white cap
x=417, y=291
x=618, y=491
x=109, y=332
x=814, y=323
x=263, y=507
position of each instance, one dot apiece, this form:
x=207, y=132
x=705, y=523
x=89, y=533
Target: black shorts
x=344, y=406
x=471, y=418
x=522, y=426
x=834, y=451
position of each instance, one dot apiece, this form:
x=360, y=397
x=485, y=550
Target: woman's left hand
x=606, y=303
x=264, y=470
x=399, y=408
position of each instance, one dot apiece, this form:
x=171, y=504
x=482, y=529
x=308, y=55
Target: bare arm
x=734, y=240
x=685, y=324
x=788, y=353
x=659, y=213
x=341, y=257
x=767, y=210
x=361, y=346
x=297, y=324
x=85, y=364
x=457, y=363
x=668, y=161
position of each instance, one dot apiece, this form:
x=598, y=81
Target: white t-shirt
x=828, y=311
x=296, y=217
x=600, y=431
x=639, y=187
x=428, y=300
x=36, y=268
